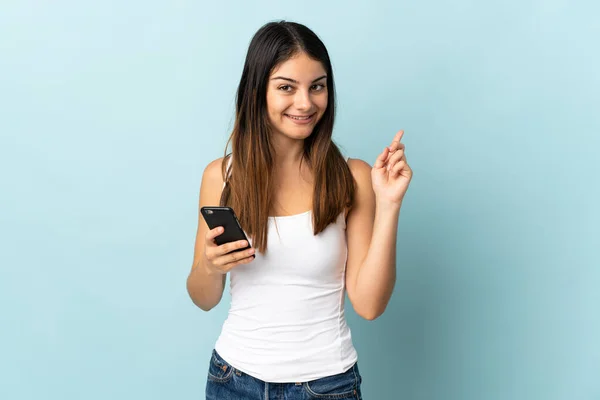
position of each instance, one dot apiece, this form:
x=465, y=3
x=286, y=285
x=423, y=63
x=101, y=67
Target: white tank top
x=286, y=320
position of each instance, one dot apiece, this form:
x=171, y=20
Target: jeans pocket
x=341, y=386
x=219, y=370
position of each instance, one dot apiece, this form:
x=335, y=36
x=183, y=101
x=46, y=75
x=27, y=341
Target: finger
x=213, y=233
x=395, y=146
x=380, y=162
x=397, y=156
x=402, y=168
x=398, y=136
x=398, y=168
x=230, y=266
x=234, y=257
x=232, y=246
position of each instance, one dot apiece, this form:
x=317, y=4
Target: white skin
x=296, y=87
x=371, y=224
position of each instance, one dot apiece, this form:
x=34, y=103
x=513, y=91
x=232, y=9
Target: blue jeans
x=227, y=383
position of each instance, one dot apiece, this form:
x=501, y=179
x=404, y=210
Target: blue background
x=109, y=112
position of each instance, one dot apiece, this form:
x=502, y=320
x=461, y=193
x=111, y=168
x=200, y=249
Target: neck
x=288, y=153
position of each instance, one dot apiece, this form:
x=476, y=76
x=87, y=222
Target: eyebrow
x=291, y=80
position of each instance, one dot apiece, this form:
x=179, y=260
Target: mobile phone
x=225, y=217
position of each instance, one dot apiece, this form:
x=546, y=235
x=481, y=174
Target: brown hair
x=249, y=190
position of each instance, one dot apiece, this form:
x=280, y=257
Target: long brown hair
x=249, y=188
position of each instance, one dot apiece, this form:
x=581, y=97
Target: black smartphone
x=225, y=217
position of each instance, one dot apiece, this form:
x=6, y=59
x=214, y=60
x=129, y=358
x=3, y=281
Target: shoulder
x=359, y=168
x=212, y=183
x=213, y=173
x=361, y=172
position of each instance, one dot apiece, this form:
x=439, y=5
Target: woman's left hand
x=391, y=174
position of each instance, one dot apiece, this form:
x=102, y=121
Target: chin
x=295, y=132
x=297, y=135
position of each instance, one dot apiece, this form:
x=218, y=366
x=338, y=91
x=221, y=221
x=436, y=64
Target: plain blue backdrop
x=109, y=112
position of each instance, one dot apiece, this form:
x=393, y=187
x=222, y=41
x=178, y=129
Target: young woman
x=320, y=226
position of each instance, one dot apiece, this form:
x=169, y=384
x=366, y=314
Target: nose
x=302, y=101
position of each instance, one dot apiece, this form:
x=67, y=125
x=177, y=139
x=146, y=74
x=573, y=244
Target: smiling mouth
x=300, y=117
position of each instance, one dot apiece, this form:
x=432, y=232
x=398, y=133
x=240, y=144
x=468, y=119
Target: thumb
x=381, y=160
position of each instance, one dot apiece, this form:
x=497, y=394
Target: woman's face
x=297, y=96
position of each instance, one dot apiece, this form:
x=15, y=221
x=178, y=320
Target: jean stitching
x=355, y=380
x=227, y=376
x=335, y=395
x=327, y=396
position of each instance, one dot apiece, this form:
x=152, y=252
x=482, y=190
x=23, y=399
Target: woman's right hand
x=222, y=259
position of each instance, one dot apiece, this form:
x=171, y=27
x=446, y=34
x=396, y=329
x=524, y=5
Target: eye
x=285, y=88
x=318, y=87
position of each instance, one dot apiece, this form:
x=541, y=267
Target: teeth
x=300, y=118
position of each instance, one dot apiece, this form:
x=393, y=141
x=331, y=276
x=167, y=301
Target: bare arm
x=206, y=281
x=204, y=287
x=372, y=228
x=371, y=234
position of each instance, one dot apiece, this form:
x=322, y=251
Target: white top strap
x=227, y=170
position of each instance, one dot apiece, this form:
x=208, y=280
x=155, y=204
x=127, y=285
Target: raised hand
x=391, y=174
